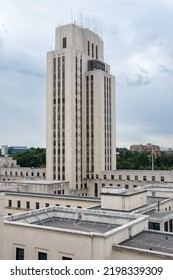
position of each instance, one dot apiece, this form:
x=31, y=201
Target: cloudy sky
x=138, y=43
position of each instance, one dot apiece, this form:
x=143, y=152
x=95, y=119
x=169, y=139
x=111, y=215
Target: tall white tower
x=80, y=108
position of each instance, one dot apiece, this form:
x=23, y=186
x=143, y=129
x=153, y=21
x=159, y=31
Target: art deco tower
x=80, y=108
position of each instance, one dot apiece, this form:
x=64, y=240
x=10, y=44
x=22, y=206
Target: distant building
x=149, y=148
x=10, y=171
x=168, y=151
x=4, y=150
x=7, y=162
x=16, y=149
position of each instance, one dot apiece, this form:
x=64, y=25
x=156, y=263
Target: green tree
x=34, y=157
x=135, y=160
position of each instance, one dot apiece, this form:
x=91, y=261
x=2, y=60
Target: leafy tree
x=136, y=160
x=34, y=157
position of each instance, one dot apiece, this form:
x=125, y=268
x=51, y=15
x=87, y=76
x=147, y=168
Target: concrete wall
x=52, y=201
x=164, y=205
x=55, y=242
x=165, y=191
x=19, y=173
x=58, y=242
x=130, y=179
x=123, y=202
x=44, y=187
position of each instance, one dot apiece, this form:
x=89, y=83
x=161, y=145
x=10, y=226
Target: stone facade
x=80, y=108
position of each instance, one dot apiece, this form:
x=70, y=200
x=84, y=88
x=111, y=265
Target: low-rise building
x=149, y=148
x=75, y=227
x=4, y=150
x=68, y=233
x=128, y=179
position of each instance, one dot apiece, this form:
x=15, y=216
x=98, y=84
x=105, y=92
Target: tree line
x=143, y=160
x=33, y=157
x=36, y=157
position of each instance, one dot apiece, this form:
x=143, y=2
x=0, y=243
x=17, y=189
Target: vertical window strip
x=105, y=122
x=54, y=117
x=107, y=104
x=92, y=50
x=81, y=143
x=110, y=124
x=92, y=123
x=76, y=83
x=87, y=124
x=63, y=119
x=96, y=52
x=58, y=162
x=88, y=47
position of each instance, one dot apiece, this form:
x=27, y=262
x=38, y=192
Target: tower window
x=92, y=50
x=64, y=43
x=96, y=52
x=88, y=48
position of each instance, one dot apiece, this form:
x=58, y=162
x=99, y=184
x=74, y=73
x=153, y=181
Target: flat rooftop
x=160, y=214
x=33, y=182
x=54, y=196
x=120, y=191
x=151, y=240
x=73, y=219
x=77, y=224
x=154, y=199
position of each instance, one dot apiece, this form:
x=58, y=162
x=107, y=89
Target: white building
x=63, y=233
x=4, y=150
x=80, y=108
x=117, y=226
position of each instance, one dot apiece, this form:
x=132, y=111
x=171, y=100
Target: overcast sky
x=138, y=44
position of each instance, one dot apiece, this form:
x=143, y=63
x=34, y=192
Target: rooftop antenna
x=81, y=22
x=86, y=22
x=71, y=15
x=101, y=30
x=95, y=26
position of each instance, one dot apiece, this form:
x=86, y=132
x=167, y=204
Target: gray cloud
x=138, y=45
x=142, y=69
x=139, y=80
x=166, y=70
x=21, y=59
x=136, y=81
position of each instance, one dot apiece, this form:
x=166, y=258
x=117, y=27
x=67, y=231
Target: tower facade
x=80, y=108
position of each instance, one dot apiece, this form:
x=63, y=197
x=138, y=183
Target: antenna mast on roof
x=71, y=15
x=81, y=21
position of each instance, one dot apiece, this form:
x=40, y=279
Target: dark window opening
x=42, y=256
x=166, y=226
x=64, y=43
x=27, y=205
x=92, y=50
x=88, y=48
x=66, y=258
x=154, y=226
x=19, y=254
x=10, y=203
x=96, y=190
x=96, y=65
x=18, y=204
x=37, y=205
